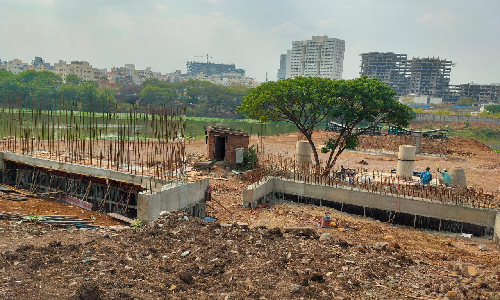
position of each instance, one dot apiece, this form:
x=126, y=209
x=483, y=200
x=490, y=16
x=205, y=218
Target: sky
x=165, y=34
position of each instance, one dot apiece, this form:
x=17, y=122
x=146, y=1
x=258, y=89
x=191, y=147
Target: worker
x=426, y=176
x=446, y=176
x=342, y=173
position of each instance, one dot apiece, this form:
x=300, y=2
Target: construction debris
x=57, y=220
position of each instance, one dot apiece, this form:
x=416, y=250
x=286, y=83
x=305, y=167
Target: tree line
x=46, y=91
x=200, y=98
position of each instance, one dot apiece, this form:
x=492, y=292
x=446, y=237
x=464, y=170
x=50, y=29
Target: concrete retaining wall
x=455, y=118
x=258, y=194
x=172, y=197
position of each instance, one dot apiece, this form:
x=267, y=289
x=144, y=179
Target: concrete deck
x=161, y=195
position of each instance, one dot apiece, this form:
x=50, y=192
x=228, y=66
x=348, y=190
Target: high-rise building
x=429, y=76
x=390, y=68
x=210, y=69
x=282, y=69
x=419, y=76
x=319, y=57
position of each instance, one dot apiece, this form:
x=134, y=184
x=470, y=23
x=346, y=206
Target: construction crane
x=207, y=56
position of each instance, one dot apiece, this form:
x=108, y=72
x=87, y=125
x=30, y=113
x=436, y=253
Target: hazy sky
x=164, y=34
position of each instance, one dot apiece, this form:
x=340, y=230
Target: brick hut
x=225, y=144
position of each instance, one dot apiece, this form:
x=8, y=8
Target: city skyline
x=252, y=35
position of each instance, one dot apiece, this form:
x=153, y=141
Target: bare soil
x=180, y=257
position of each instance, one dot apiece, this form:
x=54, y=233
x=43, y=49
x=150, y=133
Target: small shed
x=225, y=144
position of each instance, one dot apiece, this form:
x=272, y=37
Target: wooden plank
x=121, y=218
x=17, y=190
x=75, y=201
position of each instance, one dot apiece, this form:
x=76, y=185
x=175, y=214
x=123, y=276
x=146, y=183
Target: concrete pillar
x=458, y=177
x=417, y=135
x=406, y=162
x=303, y=155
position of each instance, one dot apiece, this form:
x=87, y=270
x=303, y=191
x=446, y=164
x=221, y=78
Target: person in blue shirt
x=426, y=176
x=446, y=176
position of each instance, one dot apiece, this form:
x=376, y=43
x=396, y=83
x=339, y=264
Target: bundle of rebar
x=149, y=143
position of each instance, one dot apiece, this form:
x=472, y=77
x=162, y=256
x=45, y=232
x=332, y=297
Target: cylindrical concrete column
x=406, y=162
x=417, y=135
x=458, y=177
x=303, y=155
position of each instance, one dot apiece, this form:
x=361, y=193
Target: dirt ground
x=247, y=255
x=43, y=206
x=480, y=162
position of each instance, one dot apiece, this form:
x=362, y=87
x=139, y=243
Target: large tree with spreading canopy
x=309, y=101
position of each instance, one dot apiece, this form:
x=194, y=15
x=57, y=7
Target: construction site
x=121, y=206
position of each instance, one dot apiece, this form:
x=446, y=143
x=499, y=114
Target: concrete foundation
x=417, y=136
x=105, y=190
x=409, y=211
x=175, y=196
x=406, y=162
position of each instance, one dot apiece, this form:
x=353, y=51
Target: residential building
x=39, y=64
x=15, y=66
x=211, y=69
x=282, y=69
x=418, y=76
x=483, y=93
x=81, y=69
x=429, y=76
x=390, y=68
x=175, y=76
x=319, y=57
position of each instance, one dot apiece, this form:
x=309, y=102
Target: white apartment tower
x=319, y=57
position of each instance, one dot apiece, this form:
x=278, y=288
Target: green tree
x=468, y=101
x=129, y=93
x=493, y=108
x=106, y=100
x=39, y=88
x=87, y=97
x=156, y=96
x=10, y=88
x=74, y=79
x=306, y=102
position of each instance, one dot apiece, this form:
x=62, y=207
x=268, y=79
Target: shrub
x=250, y=159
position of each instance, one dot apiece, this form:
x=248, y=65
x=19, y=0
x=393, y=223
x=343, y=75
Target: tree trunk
x=315, y=152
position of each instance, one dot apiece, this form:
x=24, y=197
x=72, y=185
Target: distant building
x=81, y=69
x=429, y=76
x=282, y=69
x=15, y=66
x=175, y=76
x=390, y=68
x=211, y=69
x=418, y=76
x=420, y=99
x=39, y=64
x=483, y=93
x=319, y=57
